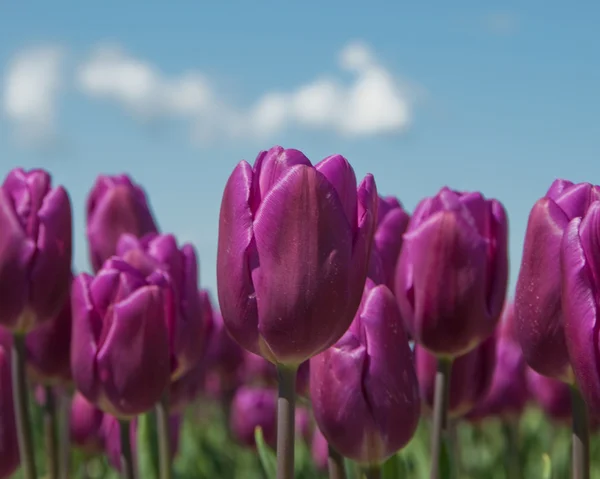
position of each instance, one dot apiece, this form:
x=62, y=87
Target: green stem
x=127, y=470
x=581, y=436
x=510, y=428
x=439, y=432
x=335, y=464
x=51, y=433
x=286, y=404
x=21, y=404
x=372, y=472
x=63, y=437
x=164, y=438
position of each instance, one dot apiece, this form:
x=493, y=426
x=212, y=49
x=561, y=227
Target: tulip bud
x=452, y=274
x=552, y=395
x=364, y=389
x=580, y=254
x=85, y=425
x=508, y=391
x=35, y=249
x=320, y=450
x=115, y=206
x=539, y=315
x=293, y=253
x=49, y=347
x=9, y=458
x=120, y=349
x=257, y=370
x=470, y=377
x=392, y=222
x=251, y=408
x=156, y=251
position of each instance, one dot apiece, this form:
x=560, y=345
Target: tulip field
x=347, y=338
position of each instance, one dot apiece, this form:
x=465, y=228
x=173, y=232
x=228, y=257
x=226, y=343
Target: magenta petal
x=448, y=259
x=580, y=312
x=341, y=175
x=388, y=241
x=538, y=310
x=236, y=256
x=304, y=247
x=557, y=187
x=9, y=460
x=498, y=272
x=16, y=253
x=86, y=325
x=51, y=269
x=133, y=362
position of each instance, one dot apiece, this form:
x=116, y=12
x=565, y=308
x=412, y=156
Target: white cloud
x=501, y=23
x=374, y=102
x=32, y=84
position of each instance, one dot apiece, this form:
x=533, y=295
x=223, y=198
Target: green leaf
x=147, y=446
x=266, y=455
x=392, y=468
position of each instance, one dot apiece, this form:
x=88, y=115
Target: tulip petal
x=16, y=254
x=581, y=310
x=538, y=310
x=498, y=250
x=448, y=267
x=304, y=246
x=133, y=362
x=51, y=269
x=388, y=241
x=557, y=187
x=9, y=461
x=236, y=256
x=341, y=175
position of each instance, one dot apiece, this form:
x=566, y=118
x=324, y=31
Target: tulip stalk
x=335, y=464
x=164, y=441
x=51, y=433
x=510, y=428
x=439, y=433
x=286, y=415
x=127, y=469
x=21, y=404
x=372, y=472
x=581, y=436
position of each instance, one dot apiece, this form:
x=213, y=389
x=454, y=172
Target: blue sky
x=500, y=98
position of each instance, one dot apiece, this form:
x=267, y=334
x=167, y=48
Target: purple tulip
x=508, y=392
x=320, y=450
x=257, y=370
x=187, y=332
x=452, y=274
x=115, y=206
x=580, y=258
x=49, y=347
x=9, y=459
x=120, y=345
x=470, y=378
x=538, y=309
x=253, y=407
x=186, y=389
x=392, y=222
x=293, y=254
x=552, y=395
x=363, y=389
x=85, y=425
x=35, y=249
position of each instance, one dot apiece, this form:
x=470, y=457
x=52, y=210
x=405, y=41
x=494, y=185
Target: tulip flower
x=35, y=249
x=120, y=348
x=251, y=408
x=260, y=371
x=156, y=251
x=539, y=314
x=319, y=450
x=115, y=205
x=363, y=389
x=293, y=253
x=392, y=222
x=507, y=395
x=85, y=425
x=552, y=395
x=49, y=347
x=452, y=274
x=9, y=459
x=470, y=377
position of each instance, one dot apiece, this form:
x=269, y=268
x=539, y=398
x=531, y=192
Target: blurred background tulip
x=120, y=349
x=254, y=407
x=257, y=370
x=551, y=395
x=9, y=457
x=115, y=205
x=35, y=249
x=293, y=253
x=319, y=449
x=85, y=424
x=538, y=310
x=452, y=274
